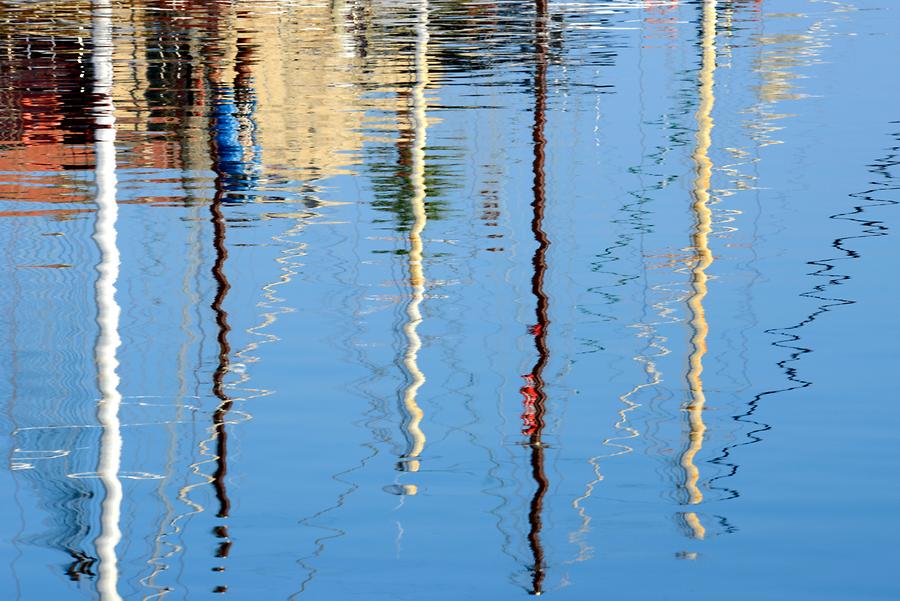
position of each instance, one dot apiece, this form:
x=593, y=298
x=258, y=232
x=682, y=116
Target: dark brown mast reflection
x=224, y=352
x=534, y=398
x=227, y=164
x=222, y=327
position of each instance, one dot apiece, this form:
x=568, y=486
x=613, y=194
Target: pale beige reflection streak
x=414, y=413
x=703, y=259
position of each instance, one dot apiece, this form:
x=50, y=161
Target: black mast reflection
x=825, y=268
x=534, y=400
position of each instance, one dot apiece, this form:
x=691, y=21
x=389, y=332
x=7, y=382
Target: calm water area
x=449, y=299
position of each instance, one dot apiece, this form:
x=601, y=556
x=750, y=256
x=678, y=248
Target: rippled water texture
x=449, y=299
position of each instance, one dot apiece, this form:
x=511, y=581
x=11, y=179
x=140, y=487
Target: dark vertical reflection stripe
x=224, y=352
x=221, y=316
x=218, y=155
x=222, y=287
x=233, y=173
x=533, y=391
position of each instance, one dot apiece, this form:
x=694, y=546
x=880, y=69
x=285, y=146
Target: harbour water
x=449, y=299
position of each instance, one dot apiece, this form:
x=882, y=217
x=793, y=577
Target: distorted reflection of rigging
x=776, y=64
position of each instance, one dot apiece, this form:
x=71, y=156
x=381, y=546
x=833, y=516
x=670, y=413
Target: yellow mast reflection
x=414, y=413
x=703, y=258
x=108, y=310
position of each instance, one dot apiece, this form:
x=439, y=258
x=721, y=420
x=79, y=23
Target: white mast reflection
x=108, y=311
x=414, y=413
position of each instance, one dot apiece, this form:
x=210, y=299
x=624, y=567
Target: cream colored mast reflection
x=703, y=259
x=414, y=413
x=108, y=311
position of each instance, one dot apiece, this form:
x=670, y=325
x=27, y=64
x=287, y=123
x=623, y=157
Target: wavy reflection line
x=173, y=38
x=169, y=524
x=231, y=135
x=620, y=447
x=224, y=351
x=224, y=157
x=534, y=397
x=108, y=310
x=740, y=170
x=646, y=330
x=414, y=414
x=234, y=169
x=288, y=266
x=332, y=532
x=310, y=521
x=703, y=259
x=778, y=54
x=870, y=228
x=223, y=328
x=222, y=151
